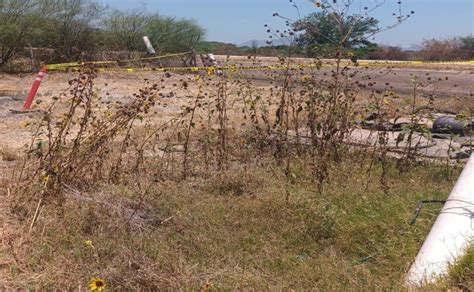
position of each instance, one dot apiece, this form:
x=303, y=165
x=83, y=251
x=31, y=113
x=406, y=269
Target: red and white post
x=34, y=88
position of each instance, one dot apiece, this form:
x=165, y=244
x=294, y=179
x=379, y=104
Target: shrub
x=388, y=53
x=445, y=50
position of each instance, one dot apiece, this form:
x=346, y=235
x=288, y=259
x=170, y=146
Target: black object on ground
x=451, y=125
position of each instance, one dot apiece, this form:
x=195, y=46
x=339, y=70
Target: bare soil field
x=452, y=85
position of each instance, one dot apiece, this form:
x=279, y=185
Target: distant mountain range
x=414, y=48
x=262, y=43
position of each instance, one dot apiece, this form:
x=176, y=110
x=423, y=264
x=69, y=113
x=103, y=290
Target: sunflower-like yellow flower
x=305, y=77
x=25, y=124
x=207, y=286
x=97, y=284
x=211, y=70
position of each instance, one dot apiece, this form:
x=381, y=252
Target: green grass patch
x=461, y=274
x=235, y=230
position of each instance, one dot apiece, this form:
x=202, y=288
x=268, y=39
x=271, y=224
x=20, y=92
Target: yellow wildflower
x=45, y=180
x=305, y=77
x=211, y=71
x=88, y=243
x=206, y=286
x=97, y=284
x=25, y=124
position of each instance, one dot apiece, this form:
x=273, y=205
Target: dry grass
x=461, y=273
x=8, y=154
x=224, y=192
x=236, y=231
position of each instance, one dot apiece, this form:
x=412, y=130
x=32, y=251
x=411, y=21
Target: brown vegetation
x=240, y=189
x=240, y=186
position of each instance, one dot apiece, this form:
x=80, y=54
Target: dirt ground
x=454, y=84
x=111, y=86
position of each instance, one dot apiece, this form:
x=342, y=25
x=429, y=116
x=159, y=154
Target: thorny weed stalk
x=412, y=128
x=191, y=110
x=206, y=112
x=382, y=141
x=78, y=148
x=222, y=119
x=330, y=102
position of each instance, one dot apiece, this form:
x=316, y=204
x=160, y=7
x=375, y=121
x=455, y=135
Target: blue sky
x=238, y=21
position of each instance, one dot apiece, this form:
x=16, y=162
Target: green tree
x=19, y=22
x=467, y=44
x=170, y=35
x=75, y=29
x=71, y=28
x=321, y=32
x=124, y=30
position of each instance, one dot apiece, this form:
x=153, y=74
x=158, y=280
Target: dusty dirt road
x=444, y=80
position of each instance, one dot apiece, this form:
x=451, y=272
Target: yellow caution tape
x=233, y=68
x=78, y=64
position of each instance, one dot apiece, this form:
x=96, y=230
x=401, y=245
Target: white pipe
x=148, y=45
x=451, y=234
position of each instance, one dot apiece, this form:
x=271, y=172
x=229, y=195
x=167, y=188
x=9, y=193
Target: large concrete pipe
x=451, y=234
